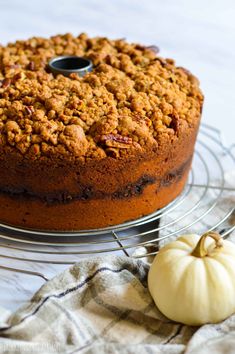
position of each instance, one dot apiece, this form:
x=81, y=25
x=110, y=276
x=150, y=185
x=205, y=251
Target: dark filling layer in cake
x=87, y=192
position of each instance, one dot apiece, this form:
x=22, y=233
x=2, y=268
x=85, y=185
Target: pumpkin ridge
x=188, y=273
x=209, y=267
x=174, y=246
x=186, y=241
x=174, y=259
x=221, y=262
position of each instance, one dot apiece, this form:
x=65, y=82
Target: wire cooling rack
x=207, y=203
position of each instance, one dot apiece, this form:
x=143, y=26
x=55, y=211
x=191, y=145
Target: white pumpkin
x=192, y=280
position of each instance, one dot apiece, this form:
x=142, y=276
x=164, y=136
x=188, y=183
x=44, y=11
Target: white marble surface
x=200, y=35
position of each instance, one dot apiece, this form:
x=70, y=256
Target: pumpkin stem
x=200, y=250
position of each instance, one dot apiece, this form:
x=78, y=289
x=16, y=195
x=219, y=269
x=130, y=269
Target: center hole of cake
x=71, y=63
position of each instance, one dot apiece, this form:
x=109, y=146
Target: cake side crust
x=92, y=214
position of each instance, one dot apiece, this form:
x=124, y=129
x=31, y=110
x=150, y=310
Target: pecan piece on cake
x=116, y=140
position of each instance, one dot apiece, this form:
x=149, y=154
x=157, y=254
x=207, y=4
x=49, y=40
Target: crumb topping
x=130, y=100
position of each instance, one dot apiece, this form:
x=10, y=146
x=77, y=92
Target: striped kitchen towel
x=102, y=305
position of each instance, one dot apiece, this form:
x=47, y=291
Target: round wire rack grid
x=207, y=203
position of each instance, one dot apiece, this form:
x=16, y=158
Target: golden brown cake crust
x=122, y=135
x=130, y=99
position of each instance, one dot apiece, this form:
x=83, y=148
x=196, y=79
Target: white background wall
x=200, y=35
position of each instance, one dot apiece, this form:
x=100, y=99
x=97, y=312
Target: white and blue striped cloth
x=102, y=305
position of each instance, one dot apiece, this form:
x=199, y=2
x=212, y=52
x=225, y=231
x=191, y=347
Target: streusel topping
x=130, y=100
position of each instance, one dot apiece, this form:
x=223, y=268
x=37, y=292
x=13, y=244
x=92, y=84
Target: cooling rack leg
x=158, y=222
x=120, y=244
x=36, y=274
